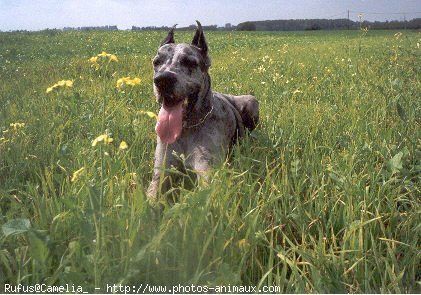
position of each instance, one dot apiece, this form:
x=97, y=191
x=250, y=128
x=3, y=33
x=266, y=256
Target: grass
x=322, y=197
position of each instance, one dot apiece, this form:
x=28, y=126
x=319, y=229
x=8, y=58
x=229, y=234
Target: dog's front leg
x=162, y=162
x=200, y=162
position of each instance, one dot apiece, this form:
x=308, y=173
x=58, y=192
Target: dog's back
x=248, y=107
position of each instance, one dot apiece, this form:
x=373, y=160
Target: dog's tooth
x=185, y=102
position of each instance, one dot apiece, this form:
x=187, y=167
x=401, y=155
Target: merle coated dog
x=194, y=123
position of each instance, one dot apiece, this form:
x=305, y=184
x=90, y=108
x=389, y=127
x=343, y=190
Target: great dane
x=195, y=126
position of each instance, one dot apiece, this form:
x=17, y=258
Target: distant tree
x=314, y=27
x=210, y=28
x=247, y=26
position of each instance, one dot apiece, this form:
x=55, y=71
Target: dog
x=195, y=126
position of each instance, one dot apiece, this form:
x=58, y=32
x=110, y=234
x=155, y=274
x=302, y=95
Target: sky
x=42, y=14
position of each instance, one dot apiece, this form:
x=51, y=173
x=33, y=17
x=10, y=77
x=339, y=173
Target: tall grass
x=322, y=197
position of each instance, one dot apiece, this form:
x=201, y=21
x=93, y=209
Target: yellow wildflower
x=123, y=146
x=76, y=174
x=242, y=244
x=108, y=139
x=94, y=59
x=61, y=83
x=150, y=114
x=102, y=138
x=127, y=81
x=17, y=125
x=134, y=81
x=122, y=81
x=398, y=35
x=113, y=57
x=297, y=91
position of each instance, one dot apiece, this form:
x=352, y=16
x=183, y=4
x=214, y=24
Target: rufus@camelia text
x=42, y=288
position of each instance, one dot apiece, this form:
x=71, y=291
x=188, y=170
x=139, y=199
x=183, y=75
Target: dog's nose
x=165, y=80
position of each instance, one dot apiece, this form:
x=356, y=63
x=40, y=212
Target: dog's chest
x=214, y=133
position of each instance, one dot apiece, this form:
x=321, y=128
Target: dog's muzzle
x=165, y=81
x=169, y=124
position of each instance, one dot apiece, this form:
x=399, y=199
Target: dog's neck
x=200, y=107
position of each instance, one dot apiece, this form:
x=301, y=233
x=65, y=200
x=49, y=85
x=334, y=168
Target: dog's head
x=180, y=78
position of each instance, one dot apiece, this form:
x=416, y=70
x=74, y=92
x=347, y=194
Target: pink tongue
x=169, y=123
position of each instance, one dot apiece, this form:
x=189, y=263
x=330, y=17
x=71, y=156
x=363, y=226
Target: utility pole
x=348, y=19
x=404, y=20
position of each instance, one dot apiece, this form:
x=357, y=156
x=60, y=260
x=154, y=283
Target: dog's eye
x=157, y=61
x=189, y=62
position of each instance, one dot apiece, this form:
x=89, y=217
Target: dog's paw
x=152, y=194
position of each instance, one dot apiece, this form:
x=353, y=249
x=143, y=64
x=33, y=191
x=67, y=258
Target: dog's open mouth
x=170, y=122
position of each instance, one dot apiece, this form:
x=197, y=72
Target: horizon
x=49, y=14
x=193, y=25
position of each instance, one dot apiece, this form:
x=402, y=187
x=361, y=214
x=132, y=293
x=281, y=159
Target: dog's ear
x=170, y=37
x=199, y=40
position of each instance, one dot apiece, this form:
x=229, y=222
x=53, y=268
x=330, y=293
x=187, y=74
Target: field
x=322, y=197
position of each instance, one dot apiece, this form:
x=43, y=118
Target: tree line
x=274, y=25
x=325, y=24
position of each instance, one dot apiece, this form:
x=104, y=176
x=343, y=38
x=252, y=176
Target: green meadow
x=324, y=196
